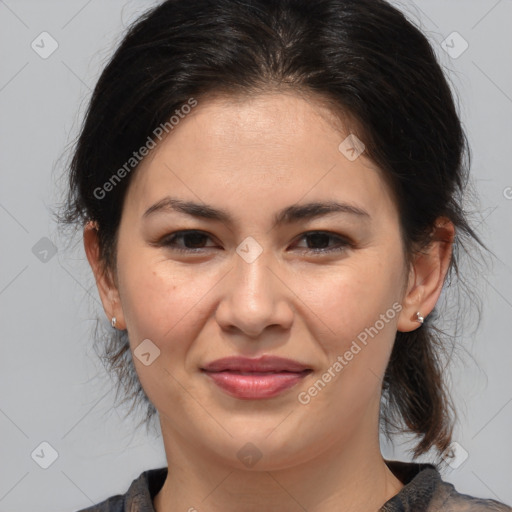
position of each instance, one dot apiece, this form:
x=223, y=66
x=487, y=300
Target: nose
x=255, y=296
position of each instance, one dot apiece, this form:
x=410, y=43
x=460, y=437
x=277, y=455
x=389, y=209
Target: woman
x=270, y=196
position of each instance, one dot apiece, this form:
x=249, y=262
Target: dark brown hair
x=363, y=57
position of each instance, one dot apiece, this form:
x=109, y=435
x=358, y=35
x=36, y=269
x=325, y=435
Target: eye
x=190, y=238
x=321, y=240
x=194, y=241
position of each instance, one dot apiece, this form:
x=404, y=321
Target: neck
x=354, y=475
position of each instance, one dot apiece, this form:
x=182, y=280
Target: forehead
x=274, y=120
x=253, y=147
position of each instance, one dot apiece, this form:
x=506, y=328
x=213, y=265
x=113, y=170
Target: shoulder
x=425, y=491
x=139, y=495
x=450, y=500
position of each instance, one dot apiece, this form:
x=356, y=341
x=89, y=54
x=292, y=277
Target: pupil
x=318, y=237
x=196, y=238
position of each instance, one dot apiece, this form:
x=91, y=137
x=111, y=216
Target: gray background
x=53, y=388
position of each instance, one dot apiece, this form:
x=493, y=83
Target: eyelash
x=345, y=244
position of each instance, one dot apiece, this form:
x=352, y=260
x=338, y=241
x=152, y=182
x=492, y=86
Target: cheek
x=356, y=334
x=162, y=301
x=163, y=304
x=350, y=298
x=361, y=307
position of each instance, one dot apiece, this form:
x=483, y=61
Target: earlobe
x=427, y=277
x=107, y=290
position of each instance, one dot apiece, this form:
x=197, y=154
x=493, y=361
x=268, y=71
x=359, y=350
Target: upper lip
x=261, y=364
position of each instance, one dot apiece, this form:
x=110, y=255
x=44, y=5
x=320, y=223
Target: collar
x=421, y=482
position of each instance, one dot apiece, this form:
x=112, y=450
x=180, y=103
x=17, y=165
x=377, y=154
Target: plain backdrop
x=54, y=389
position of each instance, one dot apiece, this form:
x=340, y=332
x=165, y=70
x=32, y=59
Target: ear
x=427, y=276
x=105, y=283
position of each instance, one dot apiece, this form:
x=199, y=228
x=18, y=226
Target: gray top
x=423, y=491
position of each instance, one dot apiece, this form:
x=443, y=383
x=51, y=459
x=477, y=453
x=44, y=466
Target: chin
x=262, y=448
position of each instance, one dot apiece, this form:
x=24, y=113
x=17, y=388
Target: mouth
x=264, y=364
x=250, y=379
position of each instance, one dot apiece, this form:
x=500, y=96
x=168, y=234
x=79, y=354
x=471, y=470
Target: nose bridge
x=252, y=277
x=253, y=297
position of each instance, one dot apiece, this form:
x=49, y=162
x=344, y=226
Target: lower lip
x=255, y=385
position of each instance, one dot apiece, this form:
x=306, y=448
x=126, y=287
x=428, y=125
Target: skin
x=252, y=157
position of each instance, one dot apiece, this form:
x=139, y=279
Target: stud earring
x=113, y=322
x=419, y=318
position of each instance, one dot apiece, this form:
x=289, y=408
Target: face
x=322, y=290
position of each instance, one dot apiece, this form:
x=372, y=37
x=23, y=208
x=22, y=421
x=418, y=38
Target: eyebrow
x=287, y=215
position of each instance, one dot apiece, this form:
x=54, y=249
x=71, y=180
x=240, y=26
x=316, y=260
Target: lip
x=261, y=364
x=251, y=379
